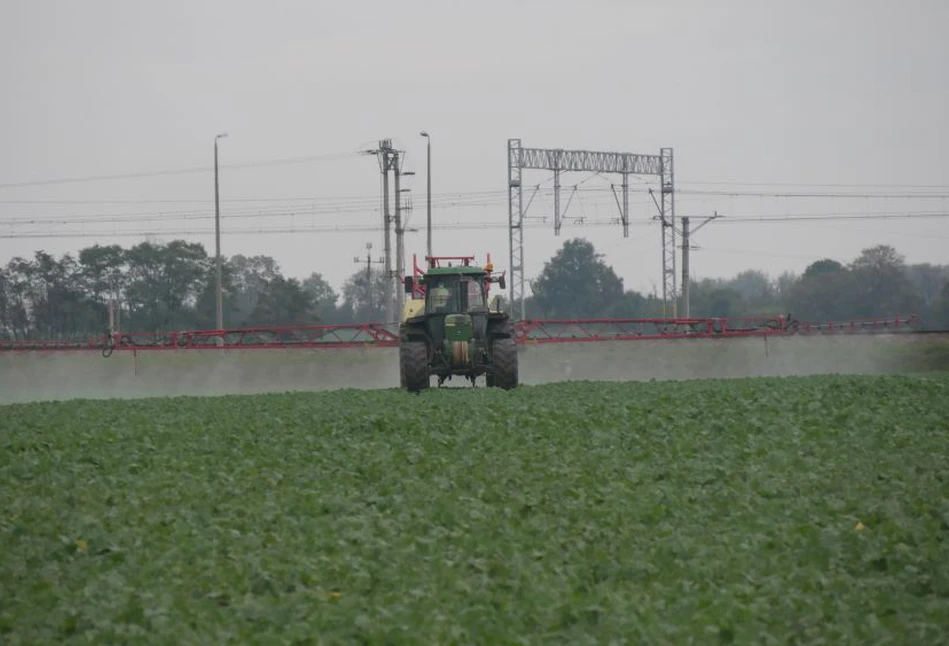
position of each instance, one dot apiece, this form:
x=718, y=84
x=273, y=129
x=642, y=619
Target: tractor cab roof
x=441, y=267
x=452, y=266
x=454, y=271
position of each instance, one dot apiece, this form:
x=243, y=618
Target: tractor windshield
x=454, y=294
x=443, y=296
x=475, y=296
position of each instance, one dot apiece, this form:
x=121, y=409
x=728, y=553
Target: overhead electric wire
x=247, y=211
x=289, y=211
x=837, y=217
x=753, y=252
x=887, y=196
x=269, y=231
x=313, y=198
x=807, y=185
x=499, y=194
x=179, y=171
x=452, y=225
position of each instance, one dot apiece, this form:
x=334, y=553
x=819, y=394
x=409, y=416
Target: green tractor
x=448, y=328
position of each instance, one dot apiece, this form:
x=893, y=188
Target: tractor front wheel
x=414, y=359
x=505, y=364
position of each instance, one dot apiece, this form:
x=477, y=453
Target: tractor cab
x=447, y=316
x=452, y=285
x=451, y=294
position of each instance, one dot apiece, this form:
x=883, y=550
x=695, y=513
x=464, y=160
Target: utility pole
x=686, y=248
x=390, y=159
x=401, y=206
x=117, y=299
x=399, y=236
x=387, y=241
x=112, y=305
x=369, y=263
x=386, y=155
x=685, y=266
x=428, y=200
x=217, y=240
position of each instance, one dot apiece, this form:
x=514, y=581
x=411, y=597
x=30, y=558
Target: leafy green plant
x=772, y=510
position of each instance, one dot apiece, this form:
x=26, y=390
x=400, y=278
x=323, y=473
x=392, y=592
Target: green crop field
x=798, y=510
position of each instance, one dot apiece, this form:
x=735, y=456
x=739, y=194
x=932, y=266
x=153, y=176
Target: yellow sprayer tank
x=413, y=307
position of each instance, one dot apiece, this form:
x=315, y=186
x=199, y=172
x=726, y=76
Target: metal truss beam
x=558, y=161
x=589, y=160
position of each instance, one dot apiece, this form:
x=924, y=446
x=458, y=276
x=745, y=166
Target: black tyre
x=414, y=359
x=505, y=364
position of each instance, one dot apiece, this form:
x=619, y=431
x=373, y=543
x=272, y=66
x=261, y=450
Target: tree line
x=155, y=286
x=577, y=282
x=168, y=286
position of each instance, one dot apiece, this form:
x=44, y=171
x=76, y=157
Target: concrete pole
x=399, y=238
x=370, y=314
x=685, y=266
x=428, y=199
x=219, y=303
x=387, y=241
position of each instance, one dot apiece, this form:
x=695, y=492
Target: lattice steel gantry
x=558, y=161
x=667, y=218
x=515, y=227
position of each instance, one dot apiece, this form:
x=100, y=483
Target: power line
x=815, y=185
x=888, y=196
x=753, y=252
x=359, y=209
x=488, y=194
x=838, y=216
x=348, y=228
x=269, y=231
x=197, y=214
x=312, y=198
x=326, y=205
x=179, y=171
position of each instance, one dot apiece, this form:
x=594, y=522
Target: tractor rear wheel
x=414, y=358
x=505, y=364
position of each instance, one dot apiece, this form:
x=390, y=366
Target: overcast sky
x=755, y=97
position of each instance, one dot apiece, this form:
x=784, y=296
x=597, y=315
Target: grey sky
x=798, y=93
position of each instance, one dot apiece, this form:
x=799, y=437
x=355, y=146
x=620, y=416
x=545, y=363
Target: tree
x=102, y=269
x=164, y=282
x=577, y=283
x=939, y=312
x=248, y=279
x=782, y=289
x=44, y=298
x=711, y=297
x=255, y=293
x=282, y=301
x=927, y=279
x=17, y=289
x=363, y=297
x=881, y=284
x=825, y=292
x=206, y=305
x=6, y=329
x=322, y=296
x=822, y=267
x=631, y=305
x=753, y=286
x=760, y=295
